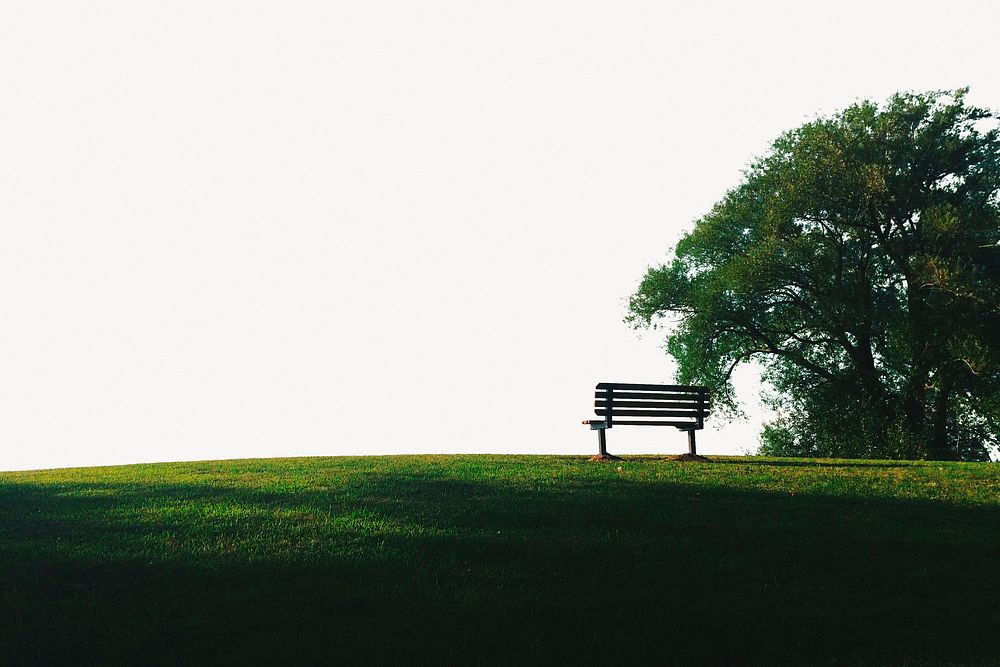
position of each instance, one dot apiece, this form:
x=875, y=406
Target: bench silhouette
x=618, y=403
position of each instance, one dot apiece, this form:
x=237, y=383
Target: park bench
x=618, y=404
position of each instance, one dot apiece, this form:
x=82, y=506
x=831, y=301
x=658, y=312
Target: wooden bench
x=618, y=404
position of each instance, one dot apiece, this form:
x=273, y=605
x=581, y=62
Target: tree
x=859, y=262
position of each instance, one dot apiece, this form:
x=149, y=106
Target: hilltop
x=494, y=559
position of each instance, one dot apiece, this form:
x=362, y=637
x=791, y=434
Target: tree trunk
x=914, y=424
x=915, y=392
x=940, y=448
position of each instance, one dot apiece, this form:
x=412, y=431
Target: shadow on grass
x=423, y=568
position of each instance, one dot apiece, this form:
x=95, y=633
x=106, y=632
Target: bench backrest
x=680, y=406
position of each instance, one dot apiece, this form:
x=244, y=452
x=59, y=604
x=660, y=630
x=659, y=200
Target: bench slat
x=645, y=413
x=661, y=396
x=689, y=405
x=684, y=425
x=651, y=387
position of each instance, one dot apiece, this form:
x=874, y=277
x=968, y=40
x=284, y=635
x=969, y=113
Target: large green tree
x=859, y=263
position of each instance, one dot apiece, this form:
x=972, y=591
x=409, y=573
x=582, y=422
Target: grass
x=499, y=559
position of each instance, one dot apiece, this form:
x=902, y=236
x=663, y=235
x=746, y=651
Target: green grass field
x=499, y=559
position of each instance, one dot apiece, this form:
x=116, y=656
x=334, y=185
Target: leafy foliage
x=859, y=262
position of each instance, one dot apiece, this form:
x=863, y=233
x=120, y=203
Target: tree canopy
x=859, y=263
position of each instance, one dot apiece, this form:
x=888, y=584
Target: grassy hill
x=492, y=559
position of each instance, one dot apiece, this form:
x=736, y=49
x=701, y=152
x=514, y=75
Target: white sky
x=235, y=229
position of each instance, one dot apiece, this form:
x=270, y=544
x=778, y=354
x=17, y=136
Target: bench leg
x=691, y=447
x=602, y=443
